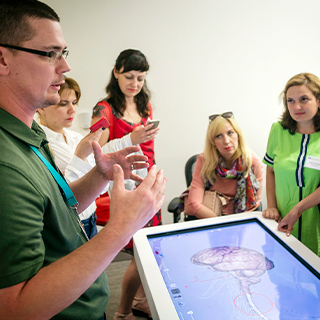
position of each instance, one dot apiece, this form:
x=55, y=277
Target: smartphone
x=102, y=123
x=155, y=124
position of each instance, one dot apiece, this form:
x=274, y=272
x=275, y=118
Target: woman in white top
x=63, y=142
x=73, y=152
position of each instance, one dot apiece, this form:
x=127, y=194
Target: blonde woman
x=228, y=167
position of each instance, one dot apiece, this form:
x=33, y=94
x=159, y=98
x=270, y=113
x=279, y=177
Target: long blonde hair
x=211, y=154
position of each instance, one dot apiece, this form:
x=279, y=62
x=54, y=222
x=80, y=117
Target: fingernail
x=115, y=169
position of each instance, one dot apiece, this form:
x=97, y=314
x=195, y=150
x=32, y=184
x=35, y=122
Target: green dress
x=287, y=154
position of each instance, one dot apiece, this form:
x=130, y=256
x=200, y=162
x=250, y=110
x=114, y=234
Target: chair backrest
x=189, y=169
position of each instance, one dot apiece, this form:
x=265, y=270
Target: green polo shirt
x=37, y=225
x=287, y=154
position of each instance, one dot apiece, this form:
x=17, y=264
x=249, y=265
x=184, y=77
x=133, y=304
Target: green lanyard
x=60, y=181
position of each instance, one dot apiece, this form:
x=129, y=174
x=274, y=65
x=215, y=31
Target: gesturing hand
x=131, y=210
x=105, y=161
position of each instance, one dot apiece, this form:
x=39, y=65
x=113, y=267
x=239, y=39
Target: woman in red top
x=128, y=109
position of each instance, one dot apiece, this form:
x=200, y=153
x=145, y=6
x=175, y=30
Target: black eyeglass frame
x=51, y=54
x=225, y=115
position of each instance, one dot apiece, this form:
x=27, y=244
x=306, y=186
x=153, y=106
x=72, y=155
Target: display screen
x=236, y=270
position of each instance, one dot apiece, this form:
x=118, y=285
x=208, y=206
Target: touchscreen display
x=233, y=271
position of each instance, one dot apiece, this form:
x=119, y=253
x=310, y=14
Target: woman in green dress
x=293, y=162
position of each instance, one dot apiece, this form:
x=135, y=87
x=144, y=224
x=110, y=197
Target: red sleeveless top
x=120, y=127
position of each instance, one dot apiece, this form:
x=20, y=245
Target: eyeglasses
x=225, y=115
x=53, y=55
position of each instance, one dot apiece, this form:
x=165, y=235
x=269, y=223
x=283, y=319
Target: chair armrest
x=173, y=205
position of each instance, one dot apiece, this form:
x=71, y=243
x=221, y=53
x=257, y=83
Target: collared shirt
x=63, y=151
x=38, y=227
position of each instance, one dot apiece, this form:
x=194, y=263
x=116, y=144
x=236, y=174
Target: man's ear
x=4, y=66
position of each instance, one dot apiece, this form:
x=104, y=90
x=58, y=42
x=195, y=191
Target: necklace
x=137, y=120
x=129, y=115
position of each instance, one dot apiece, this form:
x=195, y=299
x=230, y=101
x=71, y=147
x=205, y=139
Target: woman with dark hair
x=293, y=162
x=128, y=110
x=128, y=103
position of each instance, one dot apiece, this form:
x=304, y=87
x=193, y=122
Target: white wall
x=206, y=56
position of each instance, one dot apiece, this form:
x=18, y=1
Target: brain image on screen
x=244, y=264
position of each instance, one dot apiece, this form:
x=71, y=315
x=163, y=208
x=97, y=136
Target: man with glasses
x=53, y=55
x=48, y=269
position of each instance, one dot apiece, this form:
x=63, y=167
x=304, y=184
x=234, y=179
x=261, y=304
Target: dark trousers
x=104, y=317
x=90, y=226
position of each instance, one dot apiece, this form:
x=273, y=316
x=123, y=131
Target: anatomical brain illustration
x=246, y=265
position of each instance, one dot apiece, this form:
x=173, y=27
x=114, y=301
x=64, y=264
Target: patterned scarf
x=246, y=195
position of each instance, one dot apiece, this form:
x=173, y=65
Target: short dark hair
x=312, y=82
x=129, y=60
x=15, y=28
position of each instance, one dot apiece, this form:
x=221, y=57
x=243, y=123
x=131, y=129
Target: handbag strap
x=61, y=182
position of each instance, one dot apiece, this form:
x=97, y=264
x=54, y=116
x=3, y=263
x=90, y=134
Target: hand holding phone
x=102, y=123
x=155, y=124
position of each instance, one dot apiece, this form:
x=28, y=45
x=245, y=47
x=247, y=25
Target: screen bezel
x=155, y=288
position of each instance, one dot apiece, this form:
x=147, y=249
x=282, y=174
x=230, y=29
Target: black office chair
x=188, y=170
x=173, y=206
